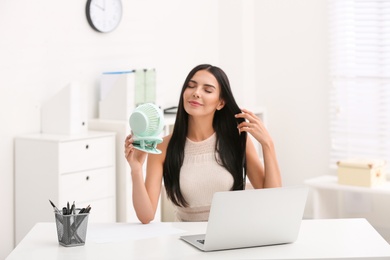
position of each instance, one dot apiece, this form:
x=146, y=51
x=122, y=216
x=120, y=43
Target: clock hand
x=99, y=6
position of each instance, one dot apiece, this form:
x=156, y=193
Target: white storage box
x=361, y=172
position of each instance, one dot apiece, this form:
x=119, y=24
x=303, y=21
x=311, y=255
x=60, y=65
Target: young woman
x=208, y=151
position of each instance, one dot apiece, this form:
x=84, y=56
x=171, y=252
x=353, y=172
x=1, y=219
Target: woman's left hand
x=254, y=126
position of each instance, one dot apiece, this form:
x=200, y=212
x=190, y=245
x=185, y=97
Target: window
x=360, y=79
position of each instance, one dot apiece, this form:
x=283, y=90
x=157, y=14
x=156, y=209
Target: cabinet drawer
x=86, y=154
x=86, y=186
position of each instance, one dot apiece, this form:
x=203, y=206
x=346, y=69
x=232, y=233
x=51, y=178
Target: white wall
x=292, y=83
x=273, y=51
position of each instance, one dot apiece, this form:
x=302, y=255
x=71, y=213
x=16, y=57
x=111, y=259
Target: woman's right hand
x=134, y=157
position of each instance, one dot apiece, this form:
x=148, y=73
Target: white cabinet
x=62, y=168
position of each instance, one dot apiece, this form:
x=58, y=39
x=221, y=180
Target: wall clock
x=104, y=15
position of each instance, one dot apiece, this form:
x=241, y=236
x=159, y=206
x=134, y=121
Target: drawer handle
x=87, y=178
x=86, y=146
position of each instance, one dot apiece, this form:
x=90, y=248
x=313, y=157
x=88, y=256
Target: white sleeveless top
x=200, y=177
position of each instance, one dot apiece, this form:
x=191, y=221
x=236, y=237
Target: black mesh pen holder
x=71, y=229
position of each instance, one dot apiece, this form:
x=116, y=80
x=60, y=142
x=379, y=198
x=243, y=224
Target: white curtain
x=360, y=79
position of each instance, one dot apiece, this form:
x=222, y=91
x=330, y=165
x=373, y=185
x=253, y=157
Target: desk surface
x=318, y=239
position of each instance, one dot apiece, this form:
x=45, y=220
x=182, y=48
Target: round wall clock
x=104, y=15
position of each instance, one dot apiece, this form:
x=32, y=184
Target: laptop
x=251, y=218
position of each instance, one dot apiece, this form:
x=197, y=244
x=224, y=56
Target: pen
x=54, y=207
x=85, y=210
x=72, y=209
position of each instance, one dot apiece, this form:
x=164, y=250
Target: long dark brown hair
x=230, y=144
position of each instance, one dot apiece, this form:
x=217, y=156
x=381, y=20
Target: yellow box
x=361, y=172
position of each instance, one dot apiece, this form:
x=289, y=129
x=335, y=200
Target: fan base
x=147, y=149
x=147, y=144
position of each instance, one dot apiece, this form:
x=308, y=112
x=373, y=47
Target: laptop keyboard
x=200, y=241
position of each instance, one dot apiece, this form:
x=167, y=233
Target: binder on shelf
x=150, y=86
x=139, y=90
x=66, y=112
x=116, y=95
x=122, y=91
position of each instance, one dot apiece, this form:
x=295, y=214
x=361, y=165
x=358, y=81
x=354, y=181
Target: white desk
x=318, y=239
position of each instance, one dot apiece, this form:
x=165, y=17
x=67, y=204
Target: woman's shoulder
x=163, y=148
x=166, y=140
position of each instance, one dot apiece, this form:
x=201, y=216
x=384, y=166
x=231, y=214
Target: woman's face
x=202, y=95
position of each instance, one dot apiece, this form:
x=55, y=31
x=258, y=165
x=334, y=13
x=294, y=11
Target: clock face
x=104, y=15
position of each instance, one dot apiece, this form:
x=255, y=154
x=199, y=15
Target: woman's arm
x=145, y=192
x=269, y=175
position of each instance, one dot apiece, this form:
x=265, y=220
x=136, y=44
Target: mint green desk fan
x=147, y=123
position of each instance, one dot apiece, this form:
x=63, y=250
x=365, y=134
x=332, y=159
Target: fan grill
x=147, y=120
